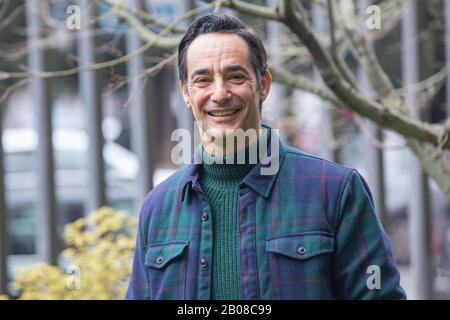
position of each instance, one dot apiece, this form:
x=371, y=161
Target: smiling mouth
x=223, y=113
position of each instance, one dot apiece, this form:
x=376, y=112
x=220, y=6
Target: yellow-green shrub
x=99, y=254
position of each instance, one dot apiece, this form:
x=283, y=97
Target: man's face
x=221, y=87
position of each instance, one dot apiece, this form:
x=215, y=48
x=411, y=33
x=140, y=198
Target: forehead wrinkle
x=218, y=51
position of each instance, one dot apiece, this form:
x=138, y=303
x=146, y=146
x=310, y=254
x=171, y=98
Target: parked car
x=71, y=179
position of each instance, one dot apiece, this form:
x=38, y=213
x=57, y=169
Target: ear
x=185, y=94
x=266, y=83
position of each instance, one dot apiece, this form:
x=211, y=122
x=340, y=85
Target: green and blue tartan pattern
x=309, y=231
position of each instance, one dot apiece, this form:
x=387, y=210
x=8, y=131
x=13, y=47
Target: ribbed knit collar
x=218, y=173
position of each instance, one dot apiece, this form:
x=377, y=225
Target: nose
x=220, y=93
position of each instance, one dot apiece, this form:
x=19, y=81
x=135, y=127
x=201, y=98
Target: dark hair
x=219, y=22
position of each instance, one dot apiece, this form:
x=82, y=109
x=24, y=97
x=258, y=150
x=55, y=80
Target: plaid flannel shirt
x=307, y=232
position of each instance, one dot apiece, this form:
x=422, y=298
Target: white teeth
x=222, y=113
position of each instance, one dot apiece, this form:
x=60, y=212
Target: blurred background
x=89, y=99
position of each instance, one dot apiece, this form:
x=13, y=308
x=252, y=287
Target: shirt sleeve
x=138, y=288
x=363, y=265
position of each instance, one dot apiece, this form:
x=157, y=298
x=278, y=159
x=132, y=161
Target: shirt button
x=159, y=260
x=301, y=250
x=203, y=262
x=204, y=216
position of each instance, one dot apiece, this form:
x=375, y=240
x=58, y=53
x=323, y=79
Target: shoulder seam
x=306, y=155
x=342, y=188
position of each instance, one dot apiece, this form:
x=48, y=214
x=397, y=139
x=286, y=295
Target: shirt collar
x=260, y=183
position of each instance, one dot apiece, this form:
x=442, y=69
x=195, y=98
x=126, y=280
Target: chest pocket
x=300, y=265
x=166, y=264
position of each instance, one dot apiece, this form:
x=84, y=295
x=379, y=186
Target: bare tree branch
x=365, y=54
x=387, y=110
x=167, y=43
x=302, y=83
x=6, y=21
x=101, y=65
x=147, y=72
x=384, y=116
x=145, y=17
x=435, y=163
x=335, y=53
x=7, y=92
x=427, y=89
x=251, y=9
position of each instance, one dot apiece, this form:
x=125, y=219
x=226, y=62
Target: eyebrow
x=231, y=68
x=236, y=67
x=198, y=72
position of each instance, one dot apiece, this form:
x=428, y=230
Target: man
x=215, y=230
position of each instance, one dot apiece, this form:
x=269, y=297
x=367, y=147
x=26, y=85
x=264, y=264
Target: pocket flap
x=160, y=254
x=301, y=246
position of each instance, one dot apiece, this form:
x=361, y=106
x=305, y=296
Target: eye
x=237, y=77
x=201, y=80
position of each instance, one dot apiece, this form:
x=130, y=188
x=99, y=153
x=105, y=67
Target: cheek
x=192, y=96
x=250, y=95
x=198, y=101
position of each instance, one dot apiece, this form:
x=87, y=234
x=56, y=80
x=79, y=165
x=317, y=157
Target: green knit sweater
x=220, y=185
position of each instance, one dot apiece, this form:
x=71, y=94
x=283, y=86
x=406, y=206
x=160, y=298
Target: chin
x=223, y=127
